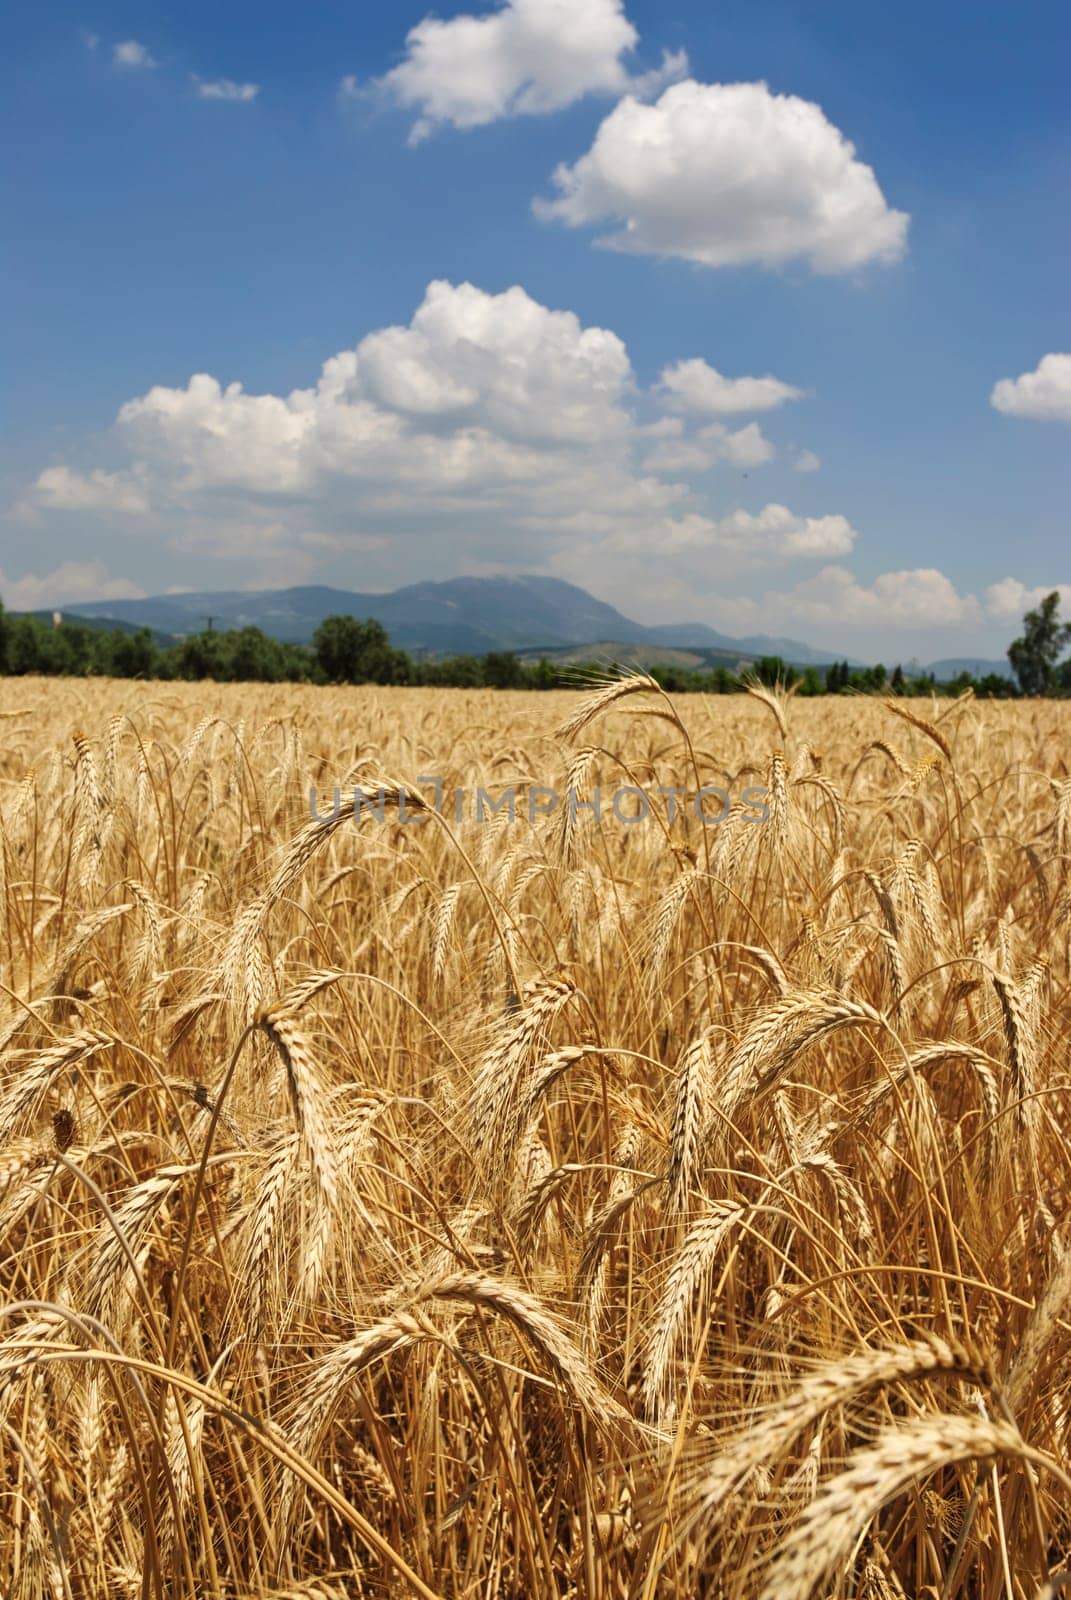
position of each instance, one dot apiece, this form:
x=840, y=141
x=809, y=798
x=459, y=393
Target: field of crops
x=431, y=1204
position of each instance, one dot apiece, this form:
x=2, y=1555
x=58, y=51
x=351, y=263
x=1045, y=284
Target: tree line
x=347, y=650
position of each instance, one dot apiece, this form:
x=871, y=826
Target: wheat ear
x=825, y=1534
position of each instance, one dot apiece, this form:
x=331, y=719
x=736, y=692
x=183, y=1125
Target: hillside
x=611, y=652
x=99, y=624
x=459, y=616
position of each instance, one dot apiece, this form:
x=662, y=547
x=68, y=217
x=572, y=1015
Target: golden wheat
x=403, y=1201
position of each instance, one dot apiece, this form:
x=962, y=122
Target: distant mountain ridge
x=976, y=666
x=455, y=617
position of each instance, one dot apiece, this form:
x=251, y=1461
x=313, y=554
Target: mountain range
x=459, y=616
x=470, y=616
x=954, y=666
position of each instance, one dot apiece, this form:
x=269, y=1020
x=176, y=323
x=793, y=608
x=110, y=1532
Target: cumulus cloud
x=747, y=447
x=488, y=401
x=835, y=605
x=677, y=452
x=489, y=431
x=777, y=534
x=727, y=175
x=915, y=599
x=226, y=89
x=129, y=53
x=908, y=601
x=529, y=56
x=477, y=391
x=73, y=581
x=680, y=574
x=1044, y=394
x=63, y=489
x=698, y=387
x=731, y=543
x=683, y=564
x=807, y=461
x=503, y=360
x=1009, y=600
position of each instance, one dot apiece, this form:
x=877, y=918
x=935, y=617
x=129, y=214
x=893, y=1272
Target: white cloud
x=477, y=391
x=62, y=489
x=777, y=534
x=132, y=54
x=526, y=57
x=807, y=461
x=218, y=437
x=680, y=575
x=502, y=360
x=698, y=387
x=73, y=581
x=677, y=452
x=488, y=432
x=734, y=542
x=1044, y=393
x=681, y=564
x=672, y=68
x=1009, y=600
x=914, y=599
x=226, y=89
x=835, y=605
x=747, y=447
x=726, y=175
x=680, y=455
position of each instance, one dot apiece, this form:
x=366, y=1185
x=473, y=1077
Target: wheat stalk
x=827, y=1530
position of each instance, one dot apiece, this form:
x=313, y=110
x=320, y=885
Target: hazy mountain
x=462, y=615
x=765, y=644
x=977, y=666
x=690, y=636
x=696, y=635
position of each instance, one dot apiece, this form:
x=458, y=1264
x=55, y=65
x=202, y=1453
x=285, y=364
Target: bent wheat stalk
x=825, y=1533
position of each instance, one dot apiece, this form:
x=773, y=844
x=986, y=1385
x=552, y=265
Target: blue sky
x=247, y=193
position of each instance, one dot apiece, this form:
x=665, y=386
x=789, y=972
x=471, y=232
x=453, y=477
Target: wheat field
x=434, y=1206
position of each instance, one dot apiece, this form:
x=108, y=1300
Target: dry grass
x=472, y=1209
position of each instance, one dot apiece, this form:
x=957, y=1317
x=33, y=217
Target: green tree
x=1044, y=639
x=811, y=682
x=457, y=672
x=251, y=657
x=502, y=670
x=24, y=646
x=70, y=650
x=199, y=656
x=129, y=655
x=771, y=670
x=995, y=687
x=348, y=651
